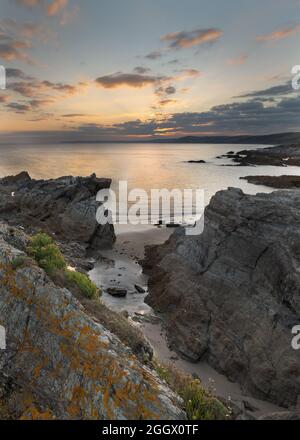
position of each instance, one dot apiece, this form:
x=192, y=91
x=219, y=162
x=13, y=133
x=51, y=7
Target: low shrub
x=48, y=256
x=43, y=249
x=84, y=284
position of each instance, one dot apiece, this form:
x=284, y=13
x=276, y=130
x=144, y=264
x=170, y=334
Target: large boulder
x=66, y=206
x=59, y=362
x=231, y=296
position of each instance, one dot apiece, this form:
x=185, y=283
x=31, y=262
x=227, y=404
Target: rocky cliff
x=65, y=206
x=61, y=363
x=232, y=295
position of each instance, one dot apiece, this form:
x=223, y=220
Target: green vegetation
x=48, y=256
x=85, y=285
x=199, y=404
x=46, y=253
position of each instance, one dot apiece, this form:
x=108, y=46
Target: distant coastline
x=267, y=139
x=286, y=138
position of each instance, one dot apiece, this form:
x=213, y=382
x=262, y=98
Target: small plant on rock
x=48, y=256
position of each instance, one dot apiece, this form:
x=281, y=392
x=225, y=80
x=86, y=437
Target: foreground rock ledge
x=231, y=296
x=65, y=206
x=60, y=363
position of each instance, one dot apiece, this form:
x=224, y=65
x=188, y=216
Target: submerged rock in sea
x=59, y=362
x=65, y=206
x=231, y=296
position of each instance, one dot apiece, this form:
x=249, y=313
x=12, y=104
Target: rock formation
x=281, y=155
x=231, y=295
x=61, y=363
x=66, y=206
x=282, y=182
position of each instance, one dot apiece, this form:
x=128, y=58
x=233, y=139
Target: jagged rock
x=60, y=363
x=231, y=296
x=65, y=206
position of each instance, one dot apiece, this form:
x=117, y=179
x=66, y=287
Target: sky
x=138, y=69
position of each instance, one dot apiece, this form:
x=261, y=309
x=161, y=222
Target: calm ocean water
x=144, y=166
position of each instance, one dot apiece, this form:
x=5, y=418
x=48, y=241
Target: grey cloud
x=241, y=117
x=18, y=108
x=17, y=74
x=142, y=70
x=282, y=89
x=155, y=55
x=187, y=39
x=127, y=79
x=170, y=90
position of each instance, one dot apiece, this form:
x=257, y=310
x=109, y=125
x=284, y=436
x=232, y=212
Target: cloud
x=28, y=106
x=30, y=87
x=56, y=6
x=279, y=34
x=141, y=70
x=60, y=87
x=189, y=73
x=17, y=74
x=166, y=101
x=238, y=60
x=187, y=39
x=275, y=91
x=154, y=55
x=73, y=115
x=52, y=8
x=120, y=79
x=12, y=51
x=15, y=40
x=235, y=118
x=170, y=90
x=18, y=108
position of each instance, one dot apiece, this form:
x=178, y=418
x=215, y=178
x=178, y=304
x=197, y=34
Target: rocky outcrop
x=231, y=296
x=59, y=362
x=282, y=155
x=282, y=182
x=66, y=207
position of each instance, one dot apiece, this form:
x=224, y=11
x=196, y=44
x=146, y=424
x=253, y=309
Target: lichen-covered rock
x=232, y=295
x=66, y=206
x=59, y=362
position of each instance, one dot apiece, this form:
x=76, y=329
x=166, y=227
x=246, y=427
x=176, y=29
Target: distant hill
x=268, y=139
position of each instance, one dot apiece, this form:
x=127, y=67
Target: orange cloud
x=56, y=6
x=279, y=34
x=53, y=8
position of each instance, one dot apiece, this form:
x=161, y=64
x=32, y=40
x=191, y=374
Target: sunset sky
x=135, y=69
